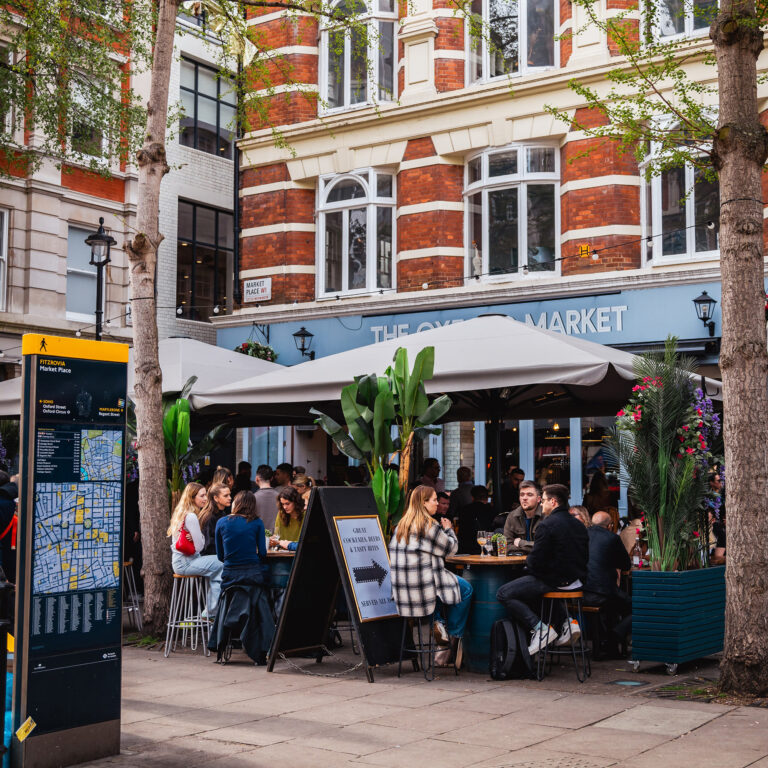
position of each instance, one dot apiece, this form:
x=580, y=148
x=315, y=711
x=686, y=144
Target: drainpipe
x=237, y=294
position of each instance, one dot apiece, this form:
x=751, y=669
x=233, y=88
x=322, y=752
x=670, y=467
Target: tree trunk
x=741, y=148
x=142, y=255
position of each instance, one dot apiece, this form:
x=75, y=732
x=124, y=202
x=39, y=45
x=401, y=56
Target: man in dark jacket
x=558, y=560
x=607, y=557
x=474, y=517
x=462, y=494
x=521, y=523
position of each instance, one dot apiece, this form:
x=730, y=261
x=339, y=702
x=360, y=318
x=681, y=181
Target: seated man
x=474, y=517
x=521, y=523
x=607, y=558
x=558, y=560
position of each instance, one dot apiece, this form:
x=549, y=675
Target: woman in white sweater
x=185, y=522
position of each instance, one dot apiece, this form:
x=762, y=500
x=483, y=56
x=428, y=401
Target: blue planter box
x=677, y=616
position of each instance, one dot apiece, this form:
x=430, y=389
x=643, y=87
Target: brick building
x=46, y=282
x=433, y=185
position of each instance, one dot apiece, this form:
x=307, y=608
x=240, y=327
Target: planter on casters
x=677, y=616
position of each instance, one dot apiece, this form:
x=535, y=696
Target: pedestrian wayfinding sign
x=367, y=564
x=68, y=619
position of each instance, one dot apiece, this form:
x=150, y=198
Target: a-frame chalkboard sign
x=341, y=544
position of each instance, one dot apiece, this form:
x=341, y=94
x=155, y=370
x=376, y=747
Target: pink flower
x=685, y=429
x=689, y=450
x=696, y=534
x=620, y=413
x=637, y=531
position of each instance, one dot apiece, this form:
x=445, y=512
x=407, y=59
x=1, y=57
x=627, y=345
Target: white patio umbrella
x=179, y=359
x=492, y=367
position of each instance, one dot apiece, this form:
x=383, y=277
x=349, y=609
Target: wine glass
x=482, y=537
x=488, y=546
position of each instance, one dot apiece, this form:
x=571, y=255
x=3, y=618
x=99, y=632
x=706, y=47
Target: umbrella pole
x=496, y=427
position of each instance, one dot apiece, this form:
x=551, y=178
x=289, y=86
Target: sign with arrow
x=367, y=560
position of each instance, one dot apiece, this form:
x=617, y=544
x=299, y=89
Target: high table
x=486, y=575
x=280, y=564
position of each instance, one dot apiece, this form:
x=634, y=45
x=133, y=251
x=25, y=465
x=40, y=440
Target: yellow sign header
x=85, y=349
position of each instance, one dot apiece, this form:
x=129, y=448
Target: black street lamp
x=303, y=339
x=100, y=244
x=705, y=306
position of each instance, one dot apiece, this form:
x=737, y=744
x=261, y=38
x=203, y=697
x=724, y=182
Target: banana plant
x=372, y=405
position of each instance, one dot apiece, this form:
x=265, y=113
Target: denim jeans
x=456, y=615
x=202, y=565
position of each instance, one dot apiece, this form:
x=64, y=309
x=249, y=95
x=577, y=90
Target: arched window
x=512, y=37
x=356, y=233
x=511, y=211
x=358, y=64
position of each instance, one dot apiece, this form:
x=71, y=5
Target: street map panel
x=101, y=454
x=77, y=536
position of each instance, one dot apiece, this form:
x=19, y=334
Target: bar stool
x=131, y=595
x=186, y=613
x=568, y=597
x=420, y=648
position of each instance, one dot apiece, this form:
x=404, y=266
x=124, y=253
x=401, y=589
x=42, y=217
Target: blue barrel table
x=486, y=575
x=280, y=564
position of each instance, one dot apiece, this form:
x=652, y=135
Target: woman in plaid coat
x=421, y=584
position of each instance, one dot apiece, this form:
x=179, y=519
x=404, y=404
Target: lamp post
x=100, y=244
x=303, y=339
x=705, y=306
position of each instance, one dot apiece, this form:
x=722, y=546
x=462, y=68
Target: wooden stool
x=186, y=613
x=131, y=595
x=568, y=597
x=420, y=648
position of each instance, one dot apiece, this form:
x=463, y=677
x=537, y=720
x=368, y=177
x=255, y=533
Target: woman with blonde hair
x=304, y=485
x=224, y=476
x=421, y=585
x=185, y=521
x=218, y=506
x=581, y=514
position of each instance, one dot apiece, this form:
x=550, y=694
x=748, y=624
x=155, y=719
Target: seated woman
x=185, y=522
x=420, y=582
x=219, y=502
x=241, y=544
x=290, y=515
x=245, y=613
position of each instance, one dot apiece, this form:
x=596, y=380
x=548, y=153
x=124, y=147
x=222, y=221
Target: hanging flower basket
x=254, y=349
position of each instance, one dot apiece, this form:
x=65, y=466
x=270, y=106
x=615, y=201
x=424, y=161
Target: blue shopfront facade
x=634, y=319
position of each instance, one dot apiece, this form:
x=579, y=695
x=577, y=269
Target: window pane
x=541, y=33
x=335, y=69
x=346, y=189
x=475, y=217
x=187, y=74
x=671, y=17
x=541, y=227
x=386, y=43
x=541, y=160
x=504, y=37
x=474, y=170
x=387, y=6
x=78, y=253
x=333, y=231
x=81, y=293
x=502, y=231
x=703, y=12
x=706, y=208
x=648, y=223
x=184, y=272
x=185, y=221
x=226, y=130
x=384, y=247
x=206, y=82
x=187, y=120
x=476, y=41
x=205, y=270
x=356, y=264
x=226, y=231
x=205, y=231
x=86, y=138
x=502, y=163
x=383, y=185
x=673, y=211
x=358, y=68
x=220, y=294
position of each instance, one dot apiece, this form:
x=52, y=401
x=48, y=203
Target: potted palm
x=663, y=443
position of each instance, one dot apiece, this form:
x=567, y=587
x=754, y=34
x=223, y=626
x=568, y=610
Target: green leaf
x=352, y=412
x=383, y=414
x=422, y=432
x=182, y=433
x=169, y=427
x=399, y=374
x=343, y=441
x=423, y=368
x=367, y=389
x=187, y=388
x=438, y=408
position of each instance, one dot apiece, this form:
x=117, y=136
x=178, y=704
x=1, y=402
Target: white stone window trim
x=648, y=22
x=371, y=202
x=371, y=17
x=521, y=179
x=485, y=54
x=5, y=216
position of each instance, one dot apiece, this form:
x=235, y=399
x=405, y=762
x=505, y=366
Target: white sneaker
x=570, y=634
x=541, y=640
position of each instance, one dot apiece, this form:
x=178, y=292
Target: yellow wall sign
x=584, y=252
x=85, y=349
x=25, y=729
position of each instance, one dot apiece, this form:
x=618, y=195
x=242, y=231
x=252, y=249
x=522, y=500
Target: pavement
x=188, y=711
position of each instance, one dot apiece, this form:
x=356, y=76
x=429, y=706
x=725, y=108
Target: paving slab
x=505, y=732
x=270, y=730
x=361, y=739
x=502, y=701
x=576, y=710
x=430, y=752
x=604, y=742
x=443, y=717
x=669, y=721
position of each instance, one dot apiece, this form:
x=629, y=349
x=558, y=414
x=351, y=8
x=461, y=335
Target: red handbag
x=183, y=544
